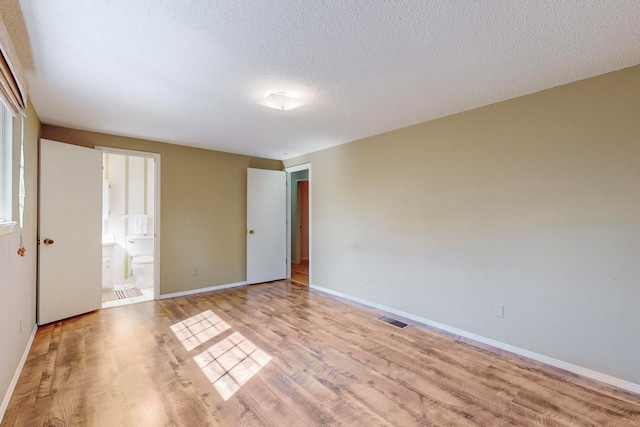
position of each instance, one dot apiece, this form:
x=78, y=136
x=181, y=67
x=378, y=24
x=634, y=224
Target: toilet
x=140, y=250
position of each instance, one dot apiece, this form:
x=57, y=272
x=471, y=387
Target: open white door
x=266, y=225
x=70, y=250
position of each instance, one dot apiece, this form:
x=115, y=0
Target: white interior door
x=266, y=225
x=70, y=263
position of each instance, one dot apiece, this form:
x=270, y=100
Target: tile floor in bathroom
x=147, y=295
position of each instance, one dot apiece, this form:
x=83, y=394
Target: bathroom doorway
x=130, y=226
x=299, y=213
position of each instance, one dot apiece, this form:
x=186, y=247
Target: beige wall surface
x=533, y=203
x=18, y=274
x=203, y=208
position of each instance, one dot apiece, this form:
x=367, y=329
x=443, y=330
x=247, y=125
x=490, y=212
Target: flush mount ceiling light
x=280, y=101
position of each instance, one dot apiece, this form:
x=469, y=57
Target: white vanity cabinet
x=107, y=265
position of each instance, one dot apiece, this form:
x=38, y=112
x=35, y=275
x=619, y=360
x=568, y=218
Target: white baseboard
x=201, y=290
x=14, y=381
x=595, y=375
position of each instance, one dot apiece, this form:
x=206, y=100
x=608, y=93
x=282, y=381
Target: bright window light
x=6, y=168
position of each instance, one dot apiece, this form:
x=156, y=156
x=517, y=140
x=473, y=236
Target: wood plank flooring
x=280, y=354
x=300, y=272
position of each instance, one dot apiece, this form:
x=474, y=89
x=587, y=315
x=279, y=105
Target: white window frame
x=6, y=172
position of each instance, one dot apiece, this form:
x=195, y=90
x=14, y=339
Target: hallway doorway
x=299, y=213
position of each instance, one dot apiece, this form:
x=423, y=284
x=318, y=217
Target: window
x=6, y=171
x=13, y=95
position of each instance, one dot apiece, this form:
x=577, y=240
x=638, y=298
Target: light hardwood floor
x=280, y=354
x=300, y=272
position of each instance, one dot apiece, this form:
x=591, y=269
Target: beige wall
x=533, y=203
x=203, y=208
x=18, y=274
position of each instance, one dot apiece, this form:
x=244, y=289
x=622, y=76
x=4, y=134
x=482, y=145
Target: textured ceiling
x=193, y=72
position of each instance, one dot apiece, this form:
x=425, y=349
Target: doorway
x=299, y=218
x=130, y=226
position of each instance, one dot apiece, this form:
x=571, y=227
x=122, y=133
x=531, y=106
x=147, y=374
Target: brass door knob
x=251, y=232
x=48, y=241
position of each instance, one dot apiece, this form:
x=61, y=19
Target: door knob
x=48, y=241
x=251, y=232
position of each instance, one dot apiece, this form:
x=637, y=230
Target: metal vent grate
x=394, y=322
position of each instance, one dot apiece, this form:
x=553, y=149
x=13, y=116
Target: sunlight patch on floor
x=199, y=329
x=230, y=363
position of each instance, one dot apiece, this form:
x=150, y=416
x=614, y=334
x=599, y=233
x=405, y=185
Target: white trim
x=595, y=375
x=7, y=227
x=201, y=290
x=298, y=168
x=157, y=157
x=125, y=152
x=289, y=226
x=16, y=376
x=6, y=165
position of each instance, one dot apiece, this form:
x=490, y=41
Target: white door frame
x=290, y=170
x=156, y=207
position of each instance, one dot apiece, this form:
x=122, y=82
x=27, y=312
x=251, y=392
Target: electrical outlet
x=366, y=280
x=500, y=310
x=194, y=271
x=20, y=326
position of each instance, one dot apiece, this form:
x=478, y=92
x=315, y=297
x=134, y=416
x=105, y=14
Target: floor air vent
x=394, y=322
